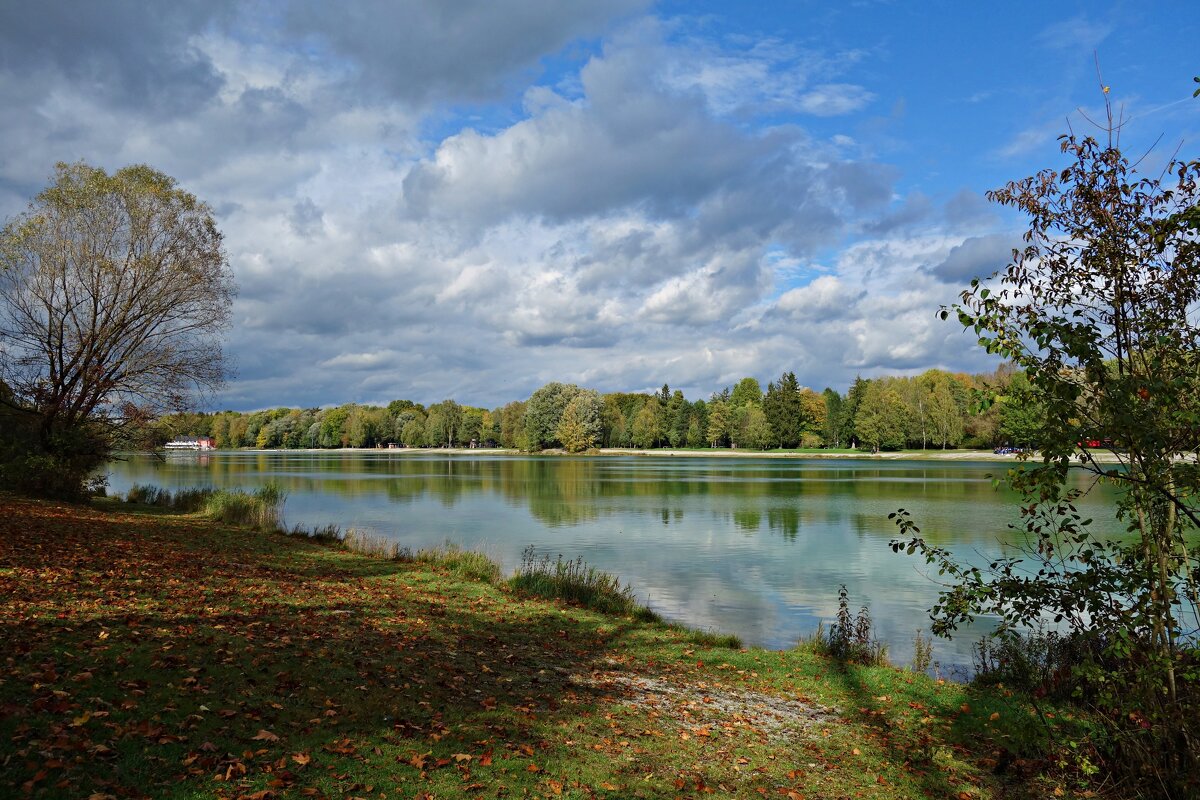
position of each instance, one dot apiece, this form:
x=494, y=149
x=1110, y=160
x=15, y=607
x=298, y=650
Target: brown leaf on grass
x=302, y=758
x=265, y=736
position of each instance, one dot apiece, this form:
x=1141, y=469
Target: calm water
x=756, y=547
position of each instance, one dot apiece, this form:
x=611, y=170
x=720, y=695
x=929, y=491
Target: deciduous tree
x=113, y=296
x=1099, y=310
x=579, y=427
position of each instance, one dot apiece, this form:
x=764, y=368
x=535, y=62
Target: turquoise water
x=752, y=546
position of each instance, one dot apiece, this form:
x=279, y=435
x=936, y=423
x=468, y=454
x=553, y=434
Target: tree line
x=933, y=410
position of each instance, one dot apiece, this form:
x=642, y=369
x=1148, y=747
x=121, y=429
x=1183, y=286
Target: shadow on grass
x=949, y=741
x=166, y=657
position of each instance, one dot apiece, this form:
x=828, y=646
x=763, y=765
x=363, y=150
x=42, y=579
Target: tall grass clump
x=183, y=500
x=374, y=546
x=575, y=582
x=258, y=510
x=704, y=638
x=466, y=564
x=325, y=534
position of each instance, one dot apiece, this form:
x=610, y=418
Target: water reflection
x=753, y=546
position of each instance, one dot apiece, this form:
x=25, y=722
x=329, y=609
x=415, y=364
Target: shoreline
x=1103, y=457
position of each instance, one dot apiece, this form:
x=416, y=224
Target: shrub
x=851, y=639
x=1036, y=660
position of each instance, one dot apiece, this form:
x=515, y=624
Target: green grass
x=178, y=657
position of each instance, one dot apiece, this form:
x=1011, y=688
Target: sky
x=468, y=199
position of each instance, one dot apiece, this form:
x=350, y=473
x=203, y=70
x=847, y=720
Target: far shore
x=1100, y=456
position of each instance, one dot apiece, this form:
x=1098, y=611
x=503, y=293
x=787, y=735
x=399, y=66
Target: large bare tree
x=114, y=290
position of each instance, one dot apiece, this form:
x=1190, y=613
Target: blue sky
x=470, y=199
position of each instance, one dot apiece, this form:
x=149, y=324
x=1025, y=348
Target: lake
x=752, y=546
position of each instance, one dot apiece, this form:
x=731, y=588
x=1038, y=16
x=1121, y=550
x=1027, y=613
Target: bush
x=1037, y=660
x=58, y=466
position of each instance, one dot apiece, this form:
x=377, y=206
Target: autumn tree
x=720, y=422
x=882, y=418
x=648, y=429
x=113, y=295
x=579, y=427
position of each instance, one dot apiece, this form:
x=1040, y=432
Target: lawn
x=154, y=655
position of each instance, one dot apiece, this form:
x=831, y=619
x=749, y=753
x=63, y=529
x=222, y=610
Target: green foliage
x=543, y=412
x=784, y=409
x=755, y=430
x=1035, y=659
x=183, y=500
x=648, y=429
x=1097, y=310
x=922, y=653
x=882, y=417
x=748, y=392
x=58, y=463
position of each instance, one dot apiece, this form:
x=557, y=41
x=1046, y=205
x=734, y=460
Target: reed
x=259, y=509
x=575, y=582
x=466, y=564
x=183, y=500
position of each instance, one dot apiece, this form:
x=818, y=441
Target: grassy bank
x=170, y=656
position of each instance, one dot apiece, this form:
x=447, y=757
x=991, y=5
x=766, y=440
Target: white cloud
x=628, y=226
x=832, y=99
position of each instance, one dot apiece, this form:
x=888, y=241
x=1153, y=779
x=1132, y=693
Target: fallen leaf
x=265, y=736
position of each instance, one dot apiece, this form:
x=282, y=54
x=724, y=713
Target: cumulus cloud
x=418, y=51
x=658, y=213
x=976, y=257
